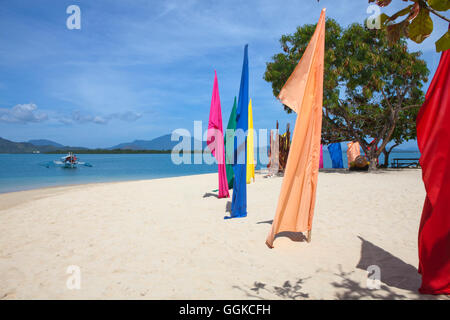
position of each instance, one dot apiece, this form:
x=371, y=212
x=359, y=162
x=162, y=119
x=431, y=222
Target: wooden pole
x=308, y=238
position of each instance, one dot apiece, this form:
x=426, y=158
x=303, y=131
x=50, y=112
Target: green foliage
x=439, y=5
x=443, y=43
x=372, y=90
x=421, y=27
x=417, y=25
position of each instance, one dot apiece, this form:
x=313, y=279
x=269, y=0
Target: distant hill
x=160, y=143
x=42, y=145
x=7, y=146
x=45, y=142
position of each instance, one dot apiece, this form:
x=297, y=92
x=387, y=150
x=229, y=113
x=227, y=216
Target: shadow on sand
x=288, y=290
x=228, y=207
x=294, y=236
x=353, y=290
x=267, y=221
x=395, y=273
x=209, y=194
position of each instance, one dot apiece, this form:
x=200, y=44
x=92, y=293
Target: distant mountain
x=45, y=142
x=160, y=143
x=7, y=146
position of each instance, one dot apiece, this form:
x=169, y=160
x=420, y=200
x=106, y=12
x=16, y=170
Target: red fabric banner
x=433, y=138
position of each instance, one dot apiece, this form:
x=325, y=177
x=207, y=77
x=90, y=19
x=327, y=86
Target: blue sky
x=139, y=69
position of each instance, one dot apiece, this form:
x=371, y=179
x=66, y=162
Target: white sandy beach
x=167, y=239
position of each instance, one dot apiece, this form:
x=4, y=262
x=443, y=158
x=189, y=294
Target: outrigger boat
x=69, y=161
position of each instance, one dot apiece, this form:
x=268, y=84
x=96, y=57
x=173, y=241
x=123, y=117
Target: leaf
x=421, y=27
x=439, y=5
x=443, y=43
x=397, y=30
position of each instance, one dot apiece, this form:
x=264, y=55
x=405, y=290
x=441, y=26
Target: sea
x=30, y=171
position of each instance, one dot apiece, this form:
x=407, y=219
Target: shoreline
x=258, y=171
x=37, y=193
x=90, y=183
x=10, y=199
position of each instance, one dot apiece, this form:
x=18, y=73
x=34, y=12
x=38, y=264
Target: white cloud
x=128, y=116
x=80, y=118
x=22, y=113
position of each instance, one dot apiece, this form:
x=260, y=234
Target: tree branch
x=411, y=106
x=361, y=141
x=387, y=134
x=392, y=147
x=387, y=100
x=438, y=14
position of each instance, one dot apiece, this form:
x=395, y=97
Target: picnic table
x=405, y=163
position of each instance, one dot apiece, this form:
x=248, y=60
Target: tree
x=417, y=25
x=369, y=85
x=405, y=130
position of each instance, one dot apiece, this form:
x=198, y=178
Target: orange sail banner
x=303, y=93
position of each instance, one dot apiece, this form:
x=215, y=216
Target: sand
x=167, y=239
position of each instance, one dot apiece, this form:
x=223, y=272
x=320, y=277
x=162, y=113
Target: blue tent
x=336, y=155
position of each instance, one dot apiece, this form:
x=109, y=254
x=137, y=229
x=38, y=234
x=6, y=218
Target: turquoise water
x=27, y=171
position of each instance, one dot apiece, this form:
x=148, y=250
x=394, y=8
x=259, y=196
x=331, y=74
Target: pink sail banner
x=215, y=140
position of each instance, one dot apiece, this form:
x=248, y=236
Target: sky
x=140, y=69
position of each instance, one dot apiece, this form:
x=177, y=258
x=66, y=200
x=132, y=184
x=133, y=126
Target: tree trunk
x=387, y=152
x=372, y=156
x=386, y=158
x=373, y=163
